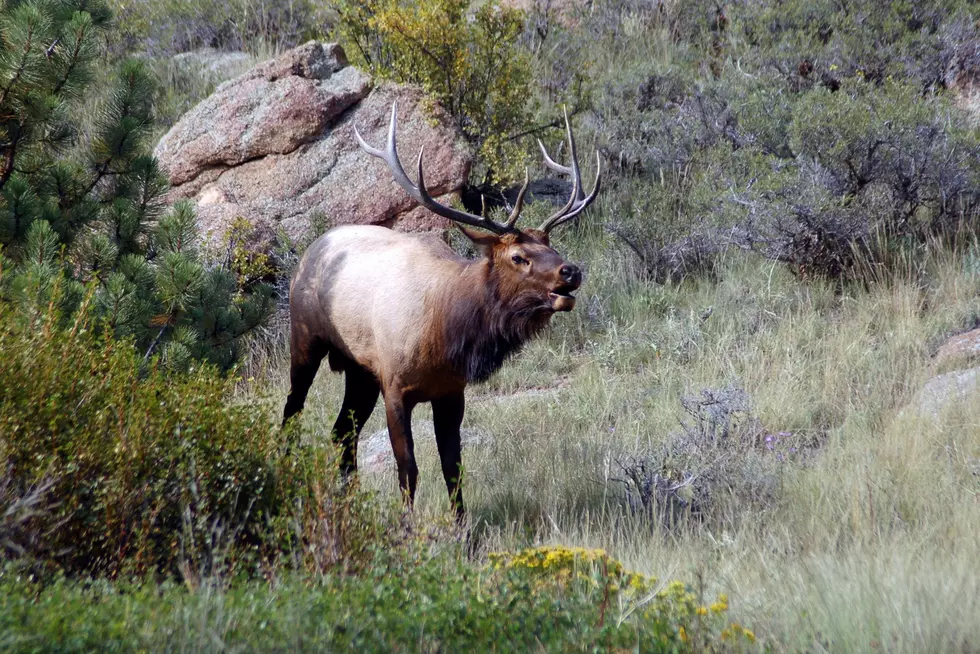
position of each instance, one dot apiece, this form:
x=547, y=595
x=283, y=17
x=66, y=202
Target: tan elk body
x=405, y=317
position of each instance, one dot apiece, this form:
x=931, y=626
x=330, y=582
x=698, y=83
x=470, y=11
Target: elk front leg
x=447, y=416
x=400, y=432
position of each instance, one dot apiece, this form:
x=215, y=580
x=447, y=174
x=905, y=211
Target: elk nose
x=570, y=274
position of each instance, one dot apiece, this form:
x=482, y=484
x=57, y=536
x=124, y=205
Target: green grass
x=870, y=540
x=549, y=600
x=866, y=543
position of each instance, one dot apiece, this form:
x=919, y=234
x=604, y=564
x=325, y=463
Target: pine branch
x=28, y=46
x=73, y=60
x=9, y=159
x=236, y=336
x=156, y=341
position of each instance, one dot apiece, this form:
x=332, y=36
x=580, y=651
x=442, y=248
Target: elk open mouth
x=562, y=299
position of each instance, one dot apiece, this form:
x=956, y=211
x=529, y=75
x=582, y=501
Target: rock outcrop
x=943, y=391
x=276, y=146
x=959, y=355
x=959, y=350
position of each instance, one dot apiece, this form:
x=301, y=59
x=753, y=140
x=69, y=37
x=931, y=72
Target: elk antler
x=419, y=193
x=578, y=201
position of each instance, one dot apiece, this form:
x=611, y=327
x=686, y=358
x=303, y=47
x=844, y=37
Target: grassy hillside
x=787, y=233
x=857, y=528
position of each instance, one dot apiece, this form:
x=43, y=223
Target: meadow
x=860, y=537
x=748, y=421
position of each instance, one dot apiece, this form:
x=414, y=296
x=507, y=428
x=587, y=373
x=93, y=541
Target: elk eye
x=518, y=259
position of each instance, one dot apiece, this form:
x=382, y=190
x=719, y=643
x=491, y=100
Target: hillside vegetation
x=723, y=448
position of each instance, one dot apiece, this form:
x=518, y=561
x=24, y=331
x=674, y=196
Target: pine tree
x=81, y=198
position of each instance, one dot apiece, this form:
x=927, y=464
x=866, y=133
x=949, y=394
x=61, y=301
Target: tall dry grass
x=867, y=543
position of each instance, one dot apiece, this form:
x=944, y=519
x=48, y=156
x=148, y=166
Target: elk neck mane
x=484, y=322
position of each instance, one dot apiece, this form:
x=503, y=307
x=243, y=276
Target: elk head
x=523, y=267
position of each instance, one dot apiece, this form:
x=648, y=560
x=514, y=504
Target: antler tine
x=454, y=214
x=565, y=170
x=418, y=192
x=569, y=206
x=551, y=163
x=573, y=153
x=519, y=203
x=390, y=156
x=581, y=205
x=578, y=202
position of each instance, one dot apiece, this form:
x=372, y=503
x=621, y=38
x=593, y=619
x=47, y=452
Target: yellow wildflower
x=702, y=610
x=683, y=634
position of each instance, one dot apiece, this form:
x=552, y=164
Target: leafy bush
x=797, y=128
x=167, y=27
x=721, y=454
x=88, y=203
x=690, y=256
x=580, y=601
x=818, y=42
x=472, y=66
x=134, y=468
x=875, y=168
x=652, y=121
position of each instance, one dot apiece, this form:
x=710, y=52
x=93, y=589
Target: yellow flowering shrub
x=672, y=608
x=562, y=564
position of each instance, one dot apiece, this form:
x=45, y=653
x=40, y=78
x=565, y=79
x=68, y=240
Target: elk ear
x=484, y=241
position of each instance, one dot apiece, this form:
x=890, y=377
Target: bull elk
x=404, y=316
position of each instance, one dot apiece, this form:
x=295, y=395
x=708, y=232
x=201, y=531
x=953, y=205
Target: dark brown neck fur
x=486, y=323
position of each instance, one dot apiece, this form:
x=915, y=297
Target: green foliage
x=875, y=40
x=877, y=171
x=665, y=616
x=822, y=135
x=147, y=470
x=165, y=27
x=88, y=204
x=471, y=64
x=405, y=604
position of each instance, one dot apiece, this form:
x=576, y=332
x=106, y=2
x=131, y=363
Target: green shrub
x=796, y=130
x=87, y=201
x=471, y=64
x=550, y=599
x=167, y=27
x=140, y=469
x=721, y=461
x=877, y=172
x=819, y=43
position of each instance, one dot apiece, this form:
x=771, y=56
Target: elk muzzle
x=569, y=279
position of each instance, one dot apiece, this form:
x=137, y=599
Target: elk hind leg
x=361, y=391
x=305, y=358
